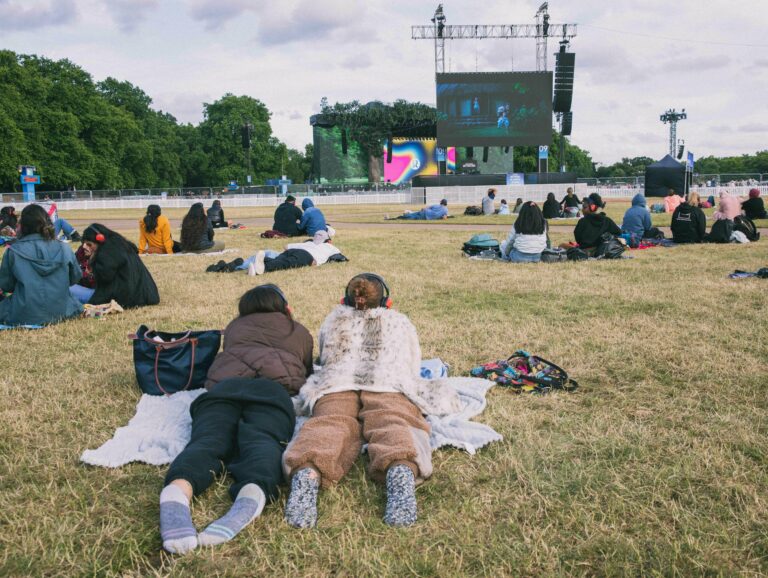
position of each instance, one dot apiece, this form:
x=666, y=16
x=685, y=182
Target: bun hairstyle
x=371, y=288
x=35, y=221
x=150, y=220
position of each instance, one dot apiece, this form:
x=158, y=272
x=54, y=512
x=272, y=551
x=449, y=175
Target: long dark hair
x=551, y=197
x=150, y=220
x=35, y=220
x=101, y=235
x=264, y=299
x=192, y=227
x=530, y=220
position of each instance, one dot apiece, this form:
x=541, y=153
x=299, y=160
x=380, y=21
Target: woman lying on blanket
x=118, y=271
x=369, y=390
x=244, y=421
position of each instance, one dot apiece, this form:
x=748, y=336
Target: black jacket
x=551, y=209
x=572, y=201
x=216, y=216
x=590, y=228
x=688, y=224
x=121, y=275
x=286, y=216
x=205, y=241
x=754, y=208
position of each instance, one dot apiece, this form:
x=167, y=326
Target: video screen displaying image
x=494, y=109
x=331, y=164
x=411, y=158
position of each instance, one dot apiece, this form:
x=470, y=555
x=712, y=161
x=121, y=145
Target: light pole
x=672, y=117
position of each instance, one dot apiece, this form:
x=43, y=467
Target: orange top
x=159, y=239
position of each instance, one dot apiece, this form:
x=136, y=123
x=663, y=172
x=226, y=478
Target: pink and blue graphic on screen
x=413, y=158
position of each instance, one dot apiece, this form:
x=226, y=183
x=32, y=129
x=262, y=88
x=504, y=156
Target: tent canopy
x=664, y=175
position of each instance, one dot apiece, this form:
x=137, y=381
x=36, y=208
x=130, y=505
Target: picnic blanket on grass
x=162, y=427
x=190, y=254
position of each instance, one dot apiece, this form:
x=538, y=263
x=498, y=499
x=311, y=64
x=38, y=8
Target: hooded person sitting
x=287, y=216
x=593, y=225
x=313, y=219
x=637, y=219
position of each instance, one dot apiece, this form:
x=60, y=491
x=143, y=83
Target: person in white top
x=528, y=236
x=315, y=251
x=488, y=207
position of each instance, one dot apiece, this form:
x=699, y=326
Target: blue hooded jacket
x=313, y=219
x=39, y=274
x=637, y=219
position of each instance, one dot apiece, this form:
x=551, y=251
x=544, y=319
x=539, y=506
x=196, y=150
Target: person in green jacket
x=37, y=270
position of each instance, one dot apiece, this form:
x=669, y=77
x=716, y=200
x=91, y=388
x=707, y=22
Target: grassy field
x=657, y=466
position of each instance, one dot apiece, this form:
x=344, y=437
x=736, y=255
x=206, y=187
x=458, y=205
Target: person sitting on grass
x=216, y=216
x=155, y=233
x=368, y=390
x=672, y=201
x=430, y=213
x=8, y=221
x=518, y=206
x=488, y=206
x=243, y=422
x=503, y=207
x=37, y=270
x=315, y=251
x=528, y=236
x=637, y=219
x=287, y=217
x=689, y=224
x=570, y=204
x=118, y=271
x=551, y=208
x=729, y=207
x=593, y=225
x=312, y=220
x=753, y=207
x=197, y=232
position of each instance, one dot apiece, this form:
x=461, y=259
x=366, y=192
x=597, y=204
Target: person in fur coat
x=368, y=390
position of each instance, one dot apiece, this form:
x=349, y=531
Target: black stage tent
x=664, y=175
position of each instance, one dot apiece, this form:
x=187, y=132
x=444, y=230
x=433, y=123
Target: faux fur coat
x=374, y=350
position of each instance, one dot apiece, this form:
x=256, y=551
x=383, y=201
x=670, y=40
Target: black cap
x=444, y=202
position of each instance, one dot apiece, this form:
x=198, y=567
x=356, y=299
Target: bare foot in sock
x=176, y=528
x=301, y=508
x=248, y=505
x=401, y=497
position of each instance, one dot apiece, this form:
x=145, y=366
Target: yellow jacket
x=159, y=240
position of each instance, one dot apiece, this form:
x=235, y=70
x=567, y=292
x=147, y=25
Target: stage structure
x=541, y=31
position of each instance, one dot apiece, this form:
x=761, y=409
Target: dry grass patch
x=657, y=466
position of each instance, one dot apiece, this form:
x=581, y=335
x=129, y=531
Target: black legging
x=245, y=423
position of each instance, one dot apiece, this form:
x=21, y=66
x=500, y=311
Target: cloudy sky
x=634, y=59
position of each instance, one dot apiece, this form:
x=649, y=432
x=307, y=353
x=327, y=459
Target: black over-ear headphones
x=276, y=289
x=385, y=299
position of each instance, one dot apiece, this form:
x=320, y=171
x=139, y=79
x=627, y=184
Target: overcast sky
x=634, y=59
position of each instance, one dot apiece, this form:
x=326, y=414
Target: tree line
x=105, y=135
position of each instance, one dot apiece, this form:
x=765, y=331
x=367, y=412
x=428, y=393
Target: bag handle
x=159, y=347
x=568, y=383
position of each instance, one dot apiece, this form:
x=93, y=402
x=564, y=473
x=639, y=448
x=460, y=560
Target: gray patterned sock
x=401, y=497
x=301, y=508
x=176, y=528
x=248, y=505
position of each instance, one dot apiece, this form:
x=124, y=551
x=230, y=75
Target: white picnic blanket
x=162, y=427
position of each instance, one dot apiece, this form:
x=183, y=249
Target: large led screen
x=411, y=158
x=494, y=108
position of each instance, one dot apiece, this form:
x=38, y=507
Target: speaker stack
x=564, y=67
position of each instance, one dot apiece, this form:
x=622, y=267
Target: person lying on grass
x=369, y=390
x=430, y=213
x=243, y=421
x=118, y=272
x=315, y=251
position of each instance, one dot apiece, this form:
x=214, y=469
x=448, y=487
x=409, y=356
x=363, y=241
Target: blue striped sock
x=248, y=505
x=176, y=528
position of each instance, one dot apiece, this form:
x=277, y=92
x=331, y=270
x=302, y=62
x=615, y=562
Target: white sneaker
x=257, y=266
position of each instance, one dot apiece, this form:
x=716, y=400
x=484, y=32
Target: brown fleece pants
x=332, y=438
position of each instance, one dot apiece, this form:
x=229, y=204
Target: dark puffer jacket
x=120, y=274
x=264, y=345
